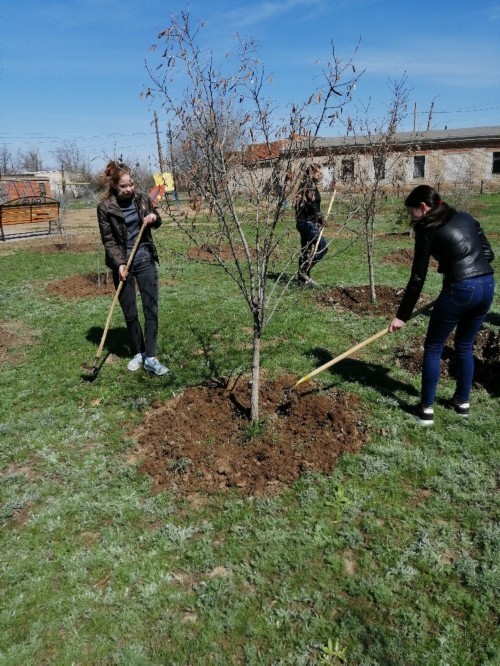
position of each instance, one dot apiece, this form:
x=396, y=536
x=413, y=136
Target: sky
x=72, y=71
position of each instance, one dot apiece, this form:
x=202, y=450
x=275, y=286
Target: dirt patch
x=201, y=440
x=210, y=253
x=401, y=257
x=8, y=341
x=13, y=340
x=357, y=299
x=486, y=355
x=74, y=287
x=70, y=245
x=404, y=257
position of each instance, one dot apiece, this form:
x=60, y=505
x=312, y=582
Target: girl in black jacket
x=464, y=257
x=121, y=215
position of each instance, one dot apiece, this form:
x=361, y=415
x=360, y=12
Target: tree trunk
x=371, y=272
x=371, y=268
x=254, y=406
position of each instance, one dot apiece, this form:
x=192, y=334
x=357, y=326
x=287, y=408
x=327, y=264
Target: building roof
x=469, y=135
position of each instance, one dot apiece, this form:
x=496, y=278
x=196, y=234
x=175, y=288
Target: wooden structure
x=29, y=210
x=27, y=201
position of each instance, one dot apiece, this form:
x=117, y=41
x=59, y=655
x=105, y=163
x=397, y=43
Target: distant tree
x=188, y=144
x=217, y=109
x=374, y=163
x=29, y=160
x=6, y=160
x=73, y=161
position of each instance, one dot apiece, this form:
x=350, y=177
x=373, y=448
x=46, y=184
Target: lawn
x=391, y=558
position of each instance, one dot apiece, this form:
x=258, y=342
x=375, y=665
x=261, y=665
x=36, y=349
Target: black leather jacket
x=461, y=249
x=114, y=230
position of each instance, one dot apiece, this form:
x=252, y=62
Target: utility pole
x=160, y=154
x=430, y=116
x=415, y=117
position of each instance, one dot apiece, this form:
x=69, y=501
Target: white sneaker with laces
x=135, y=363
x=152, y=364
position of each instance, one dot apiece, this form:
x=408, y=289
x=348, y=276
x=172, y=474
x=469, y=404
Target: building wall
x=448, y=168
x=18, y=187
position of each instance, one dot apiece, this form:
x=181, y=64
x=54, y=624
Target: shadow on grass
x=367, y=374
x=116, y=342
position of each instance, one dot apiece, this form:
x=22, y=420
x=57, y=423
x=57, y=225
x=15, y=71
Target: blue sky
x=73, y=70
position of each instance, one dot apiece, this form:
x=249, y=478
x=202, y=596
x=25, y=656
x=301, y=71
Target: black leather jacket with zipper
x=114, y=230
x=460, y=248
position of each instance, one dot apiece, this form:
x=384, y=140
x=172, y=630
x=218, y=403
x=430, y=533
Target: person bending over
x=464, y=255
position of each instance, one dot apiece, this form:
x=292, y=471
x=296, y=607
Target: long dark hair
x=440, y=212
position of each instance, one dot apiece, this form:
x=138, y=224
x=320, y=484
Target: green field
x=393, y=559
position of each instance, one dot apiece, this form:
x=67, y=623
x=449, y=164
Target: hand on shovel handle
x=123, y=271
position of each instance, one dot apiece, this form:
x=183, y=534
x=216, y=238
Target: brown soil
x=357, y=300
x=405, y=258
x=82, y=286
x=13, y=340
x=401, y=257
x=8, y=341
x=72, y=245
x=486, y=355
x=200, y=440
x=209, y=253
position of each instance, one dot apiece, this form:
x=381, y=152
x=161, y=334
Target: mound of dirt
x=203, y=441
x=358, y=300
x=209, y=253
x=404, y=257
x=82, y=286
x=486, y=356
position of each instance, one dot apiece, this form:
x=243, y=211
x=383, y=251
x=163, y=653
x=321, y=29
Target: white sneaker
x=152, y=364
x=304, y=279
x=135, y=363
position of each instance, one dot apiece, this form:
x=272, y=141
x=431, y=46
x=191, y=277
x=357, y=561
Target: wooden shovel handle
x=117, y=292
x=358, y=346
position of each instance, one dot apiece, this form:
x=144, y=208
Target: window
x=419, y=166
x=43, y=191
x=379, y=167
x=495, y=167
x=348, y=170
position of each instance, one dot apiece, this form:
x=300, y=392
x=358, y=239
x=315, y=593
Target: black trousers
x=144, y=274
x=309, y=232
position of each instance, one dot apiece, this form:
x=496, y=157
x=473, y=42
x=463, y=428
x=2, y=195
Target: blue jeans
x=463, y=305
x=144, y=273
x=309, y=233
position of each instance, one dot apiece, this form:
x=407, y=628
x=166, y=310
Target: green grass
x=394, y=558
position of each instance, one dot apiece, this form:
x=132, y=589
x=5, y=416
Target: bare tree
x=377, y=161
x=72, y=160
x=6, y=160
x=29, y=160
x=217, y=109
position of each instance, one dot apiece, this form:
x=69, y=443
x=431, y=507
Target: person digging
x=310, y=223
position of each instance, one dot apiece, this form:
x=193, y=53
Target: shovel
x=358, y=347
x=92, y=372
